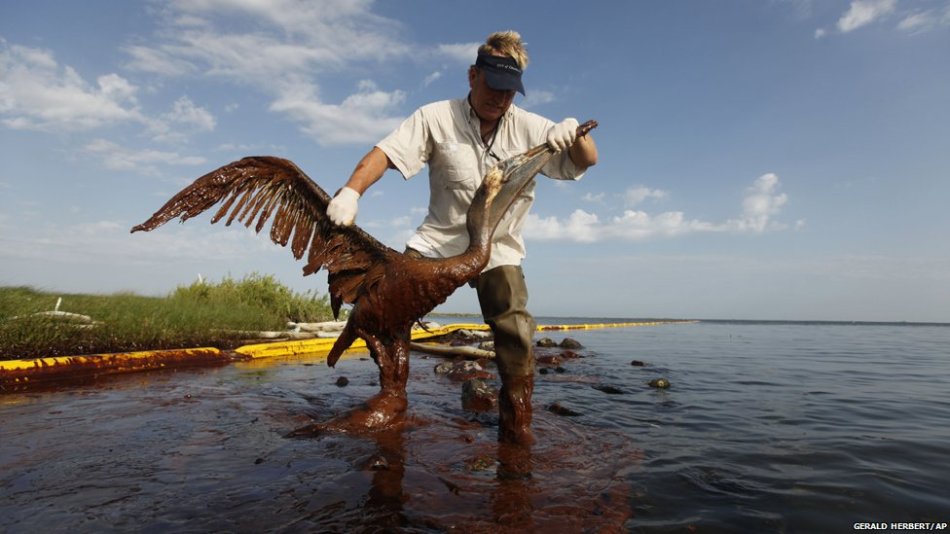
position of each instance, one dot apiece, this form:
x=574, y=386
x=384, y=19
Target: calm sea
x=768, y=427
x=797, y=427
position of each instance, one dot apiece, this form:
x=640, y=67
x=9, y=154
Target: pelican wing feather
x=256, y=189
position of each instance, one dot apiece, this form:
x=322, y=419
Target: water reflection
x=205, y=451
x=384, y=505
x=430, y=475
x=509, y=499
x=510, y=496
x=511, y=504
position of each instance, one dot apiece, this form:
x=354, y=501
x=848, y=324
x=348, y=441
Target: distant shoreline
x=561, y=319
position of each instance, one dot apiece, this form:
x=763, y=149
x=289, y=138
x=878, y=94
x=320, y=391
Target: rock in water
x=478, y=396
x=570, y=343
x=460, y=371
x=562, y=410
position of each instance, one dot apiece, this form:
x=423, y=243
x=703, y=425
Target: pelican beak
x=519, y=172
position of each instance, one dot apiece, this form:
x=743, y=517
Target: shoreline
x=26, y=374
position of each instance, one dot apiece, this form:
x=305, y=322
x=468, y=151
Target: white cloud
x=340, y=28
x=636, y=195
x=595, y=198
x=864, y=12
x=116, y=88
x=536, y=97
x=119, y=158
x=861, y=13
x=635, y=225
x=915, y=22
x=95, y=241
x=253, y=59
x=463, y=53
x=432, y=77
x=580, y=226
x=364, y=116
x=922, y=21
x=760, y=205
x=182, y=120
x=277, y=39
x=157, y=61
x=37, y=93
x=184, y=111
x=285, y=49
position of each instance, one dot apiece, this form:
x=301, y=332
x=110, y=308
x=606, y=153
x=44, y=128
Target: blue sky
x=760, y=159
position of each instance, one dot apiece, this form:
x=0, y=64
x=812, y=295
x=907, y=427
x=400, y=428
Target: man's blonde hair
x=508, y=43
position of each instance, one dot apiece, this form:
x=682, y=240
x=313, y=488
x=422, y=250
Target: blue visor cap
x=501, y=73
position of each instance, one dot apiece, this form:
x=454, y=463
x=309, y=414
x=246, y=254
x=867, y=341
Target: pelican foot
x=382, y=411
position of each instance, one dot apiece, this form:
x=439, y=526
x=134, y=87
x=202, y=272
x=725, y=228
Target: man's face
x=489, y=104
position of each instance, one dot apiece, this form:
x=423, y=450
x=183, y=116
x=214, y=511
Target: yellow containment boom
x=312, y=346
x=20, y=375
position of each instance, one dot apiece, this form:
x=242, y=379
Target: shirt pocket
x=455, y=165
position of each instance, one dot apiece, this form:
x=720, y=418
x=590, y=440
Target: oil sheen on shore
x=767, y=427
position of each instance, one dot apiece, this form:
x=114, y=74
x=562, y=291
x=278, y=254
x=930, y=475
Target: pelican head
x=505, y=182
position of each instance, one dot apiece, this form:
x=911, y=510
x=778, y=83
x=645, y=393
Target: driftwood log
x=439, y=349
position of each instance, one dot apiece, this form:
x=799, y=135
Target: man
x=461, y=140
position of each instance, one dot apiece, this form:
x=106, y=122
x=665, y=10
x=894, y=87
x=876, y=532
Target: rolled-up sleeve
x=408, y=145
x=562, y=167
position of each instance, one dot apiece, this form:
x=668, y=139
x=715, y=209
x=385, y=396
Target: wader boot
x=514, y=409
x=504, y=297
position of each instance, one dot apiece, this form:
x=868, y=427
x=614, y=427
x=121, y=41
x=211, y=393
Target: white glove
x=562, y=135
x=342, y=209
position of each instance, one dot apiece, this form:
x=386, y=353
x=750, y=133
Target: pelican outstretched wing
x=264, y=187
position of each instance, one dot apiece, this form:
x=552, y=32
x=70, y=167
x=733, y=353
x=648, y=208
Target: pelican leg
x=393, y=360
x=384, y=410
x=388, y=407
x=343, y=342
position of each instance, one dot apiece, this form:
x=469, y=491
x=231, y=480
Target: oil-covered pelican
x=389, y=291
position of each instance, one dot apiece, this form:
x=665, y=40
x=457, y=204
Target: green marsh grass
x=202, y=314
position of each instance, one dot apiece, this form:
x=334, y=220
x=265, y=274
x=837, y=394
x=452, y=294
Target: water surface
x=767, y=427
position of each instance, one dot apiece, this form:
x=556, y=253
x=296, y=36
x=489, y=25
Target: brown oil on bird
x=389, y=291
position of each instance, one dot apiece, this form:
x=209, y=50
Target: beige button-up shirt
x=445, y=135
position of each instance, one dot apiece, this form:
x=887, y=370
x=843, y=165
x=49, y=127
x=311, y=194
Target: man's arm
x=369, y=170
x=345, y=204
x=583, y=152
